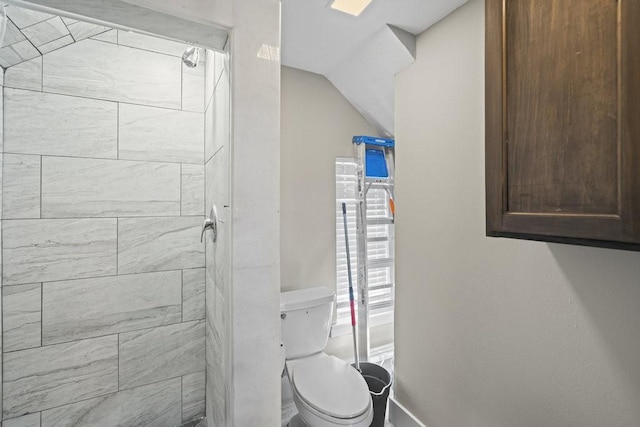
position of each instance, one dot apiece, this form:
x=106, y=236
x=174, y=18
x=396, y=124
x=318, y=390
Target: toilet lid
x=331, y=386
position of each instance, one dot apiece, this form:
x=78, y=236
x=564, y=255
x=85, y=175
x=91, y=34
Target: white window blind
x=380, y=278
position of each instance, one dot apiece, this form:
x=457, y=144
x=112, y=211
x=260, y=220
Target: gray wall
x=103, y=278
x=317, y=124
x=495, y=332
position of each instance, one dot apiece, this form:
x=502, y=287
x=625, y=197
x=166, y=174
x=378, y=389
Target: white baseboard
x=399, y=416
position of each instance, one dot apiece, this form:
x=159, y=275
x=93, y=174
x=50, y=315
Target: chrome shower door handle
x=211, y=224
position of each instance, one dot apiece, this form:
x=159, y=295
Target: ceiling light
x=352, y=7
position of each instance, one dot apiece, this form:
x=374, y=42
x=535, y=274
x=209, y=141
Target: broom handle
x=351, y=297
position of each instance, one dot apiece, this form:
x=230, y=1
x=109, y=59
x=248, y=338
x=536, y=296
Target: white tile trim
x=401, y=417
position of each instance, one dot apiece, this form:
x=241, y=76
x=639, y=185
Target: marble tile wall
x=22, y=317
x=31, y=34
x=151, y=355
x=31, y=420
x=27, y=75
x=193, y=394
x=50, y=376
x=74, y=187
x=156, y=404
x=103, y=279
x=17, y=52
x=101, y=78
x=179, y=134
x=118, y=304
x=40, y=123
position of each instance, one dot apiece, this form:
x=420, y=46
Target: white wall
x=254, y=305
x=495, y=332
x=317, y=126
x=218, y=272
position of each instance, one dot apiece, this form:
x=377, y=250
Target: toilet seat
x=331, y=392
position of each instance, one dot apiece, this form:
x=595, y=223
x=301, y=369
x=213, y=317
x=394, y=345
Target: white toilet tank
x=306, y=320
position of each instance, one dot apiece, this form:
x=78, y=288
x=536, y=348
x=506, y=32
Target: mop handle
x=351, y=297
x=346, y=242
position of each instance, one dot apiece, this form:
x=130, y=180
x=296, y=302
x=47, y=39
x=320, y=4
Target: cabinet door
x=563, y=120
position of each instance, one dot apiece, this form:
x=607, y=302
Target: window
x=380, y=241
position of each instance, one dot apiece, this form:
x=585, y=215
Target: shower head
x=190, y=57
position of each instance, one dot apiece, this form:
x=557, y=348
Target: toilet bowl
x=326, y=390
x=329, y=392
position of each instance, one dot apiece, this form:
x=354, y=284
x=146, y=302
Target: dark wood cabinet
x=563, y=121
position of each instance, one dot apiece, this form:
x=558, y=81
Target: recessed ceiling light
x=352, y=7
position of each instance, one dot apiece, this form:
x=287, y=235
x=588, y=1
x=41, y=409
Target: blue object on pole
x=376, y=163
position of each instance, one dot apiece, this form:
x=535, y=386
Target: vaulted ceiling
x=359, y=55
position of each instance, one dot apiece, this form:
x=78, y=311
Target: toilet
x=327, y=391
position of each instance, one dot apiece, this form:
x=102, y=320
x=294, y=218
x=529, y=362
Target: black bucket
x=379, y=381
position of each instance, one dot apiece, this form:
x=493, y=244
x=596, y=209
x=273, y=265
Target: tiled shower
x=113, y=152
